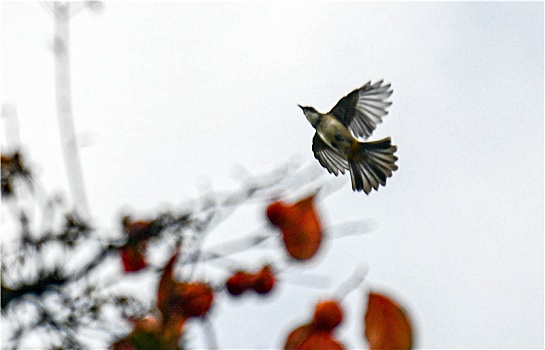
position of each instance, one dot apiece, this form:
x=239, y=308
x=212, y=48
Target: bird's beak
x=300, y=106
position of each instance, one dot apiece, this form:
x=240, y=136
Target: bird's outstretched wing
x=328, y=158
x=362, y=109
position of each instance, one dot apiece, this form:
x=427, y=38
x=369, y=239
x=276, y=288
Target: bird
x=337, y=145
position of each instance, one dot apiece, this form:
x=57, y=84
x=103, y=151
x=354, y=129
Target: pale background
x=168, y=94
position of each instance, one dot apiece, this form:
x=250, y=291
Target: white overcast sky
x=166, y=94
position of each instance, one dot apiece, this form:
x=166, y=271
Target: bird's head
x=312, y=115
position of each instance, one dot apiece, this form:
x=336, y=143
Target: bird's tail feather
x=371, y=163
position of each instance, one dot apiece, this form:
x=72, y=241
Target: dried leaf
x=133, y=257
x=300, y=225
x=307, y=337
x=298, y=336
x=387, y=325
x=167, y=286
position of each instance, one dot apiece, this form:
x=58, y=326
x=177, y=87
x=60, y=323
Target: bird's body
x=336, y=144
x=335, y=134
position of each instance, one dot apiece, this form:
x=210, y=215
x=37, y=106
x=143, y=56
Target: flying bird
x=336, y=143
